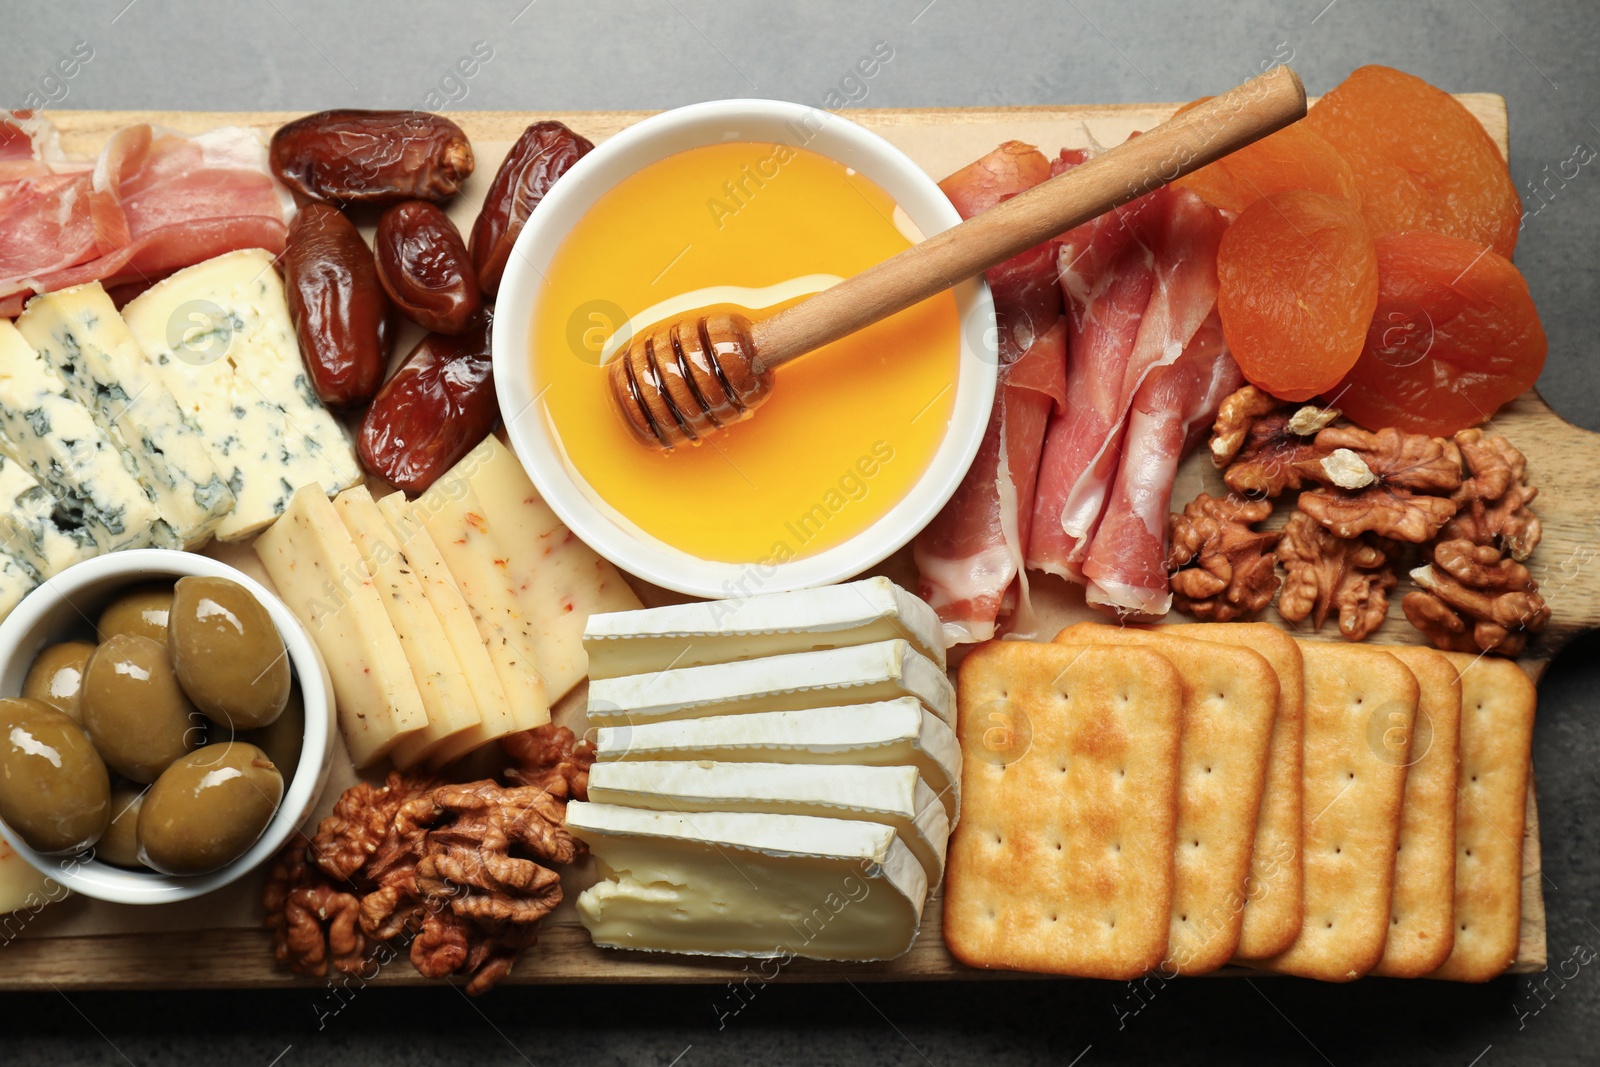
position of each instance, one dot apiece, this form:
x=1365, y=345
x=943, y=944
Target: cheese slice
x=79, y=334
x=719, y=631
x=740, y=884
x=319, y=573
x=886, y=734
x=858, y=675
x=454, y=518
x=23, y=892
x=33, y=529
x=219, y=338
x=16, y=582
x=895, y=796
x=560, y=581
x=56, y=440
x=441, y=681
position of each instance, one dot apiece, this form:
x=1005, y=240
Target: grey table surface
x=570, y=54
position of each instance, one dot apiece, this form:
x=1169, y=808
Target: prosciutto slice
x=1139, y=283
x=970, y=556
x=1126, y=564
x=154, y=202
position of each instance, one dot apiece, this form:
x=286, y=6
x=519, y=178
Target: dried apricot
x=1421, y=160
x=1297, y=282
x=1455, y=336
x=1293, y=158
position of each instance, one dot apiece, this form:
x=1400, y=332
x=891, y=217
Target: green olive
x=208, y=808
x=142, y=610
x=120, y=843
x=283, y=740
x=56, y=677
x=54, y=789
x=227, y=652
x=135, y=710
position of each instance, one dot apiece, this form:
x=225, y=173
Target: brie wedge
x=741, y=884
x=885, y=734
x=720, y=631
x=896, y=796
x=857, y=675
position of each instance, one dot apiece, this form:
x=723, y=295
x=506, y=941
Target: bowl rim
x=83, y=874
x=657, y=137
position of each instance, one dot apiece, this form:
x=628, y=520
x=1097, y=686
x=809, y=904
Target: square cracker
x=1230, y=703
x=1063, y=859
x=1272, y=897
x=1498, y=701
x=1423, y=904
x=1360, y=706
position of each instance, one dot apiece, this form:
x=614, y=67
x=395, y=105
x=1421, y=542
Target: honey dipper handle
x=1184, y=143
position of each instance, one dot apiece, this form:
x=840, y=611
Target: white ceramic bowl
x=69, y=603
x=639, y=146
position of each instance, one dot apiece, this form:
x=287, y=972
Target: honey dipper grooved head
x=686, y=378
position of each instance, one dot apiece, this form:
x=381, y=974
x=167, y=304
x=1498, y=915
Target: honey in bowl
x=752, y=227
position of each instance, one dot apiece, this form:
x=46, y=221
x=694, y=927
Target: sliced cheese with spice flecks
x=441, y=681
x=79, y=334
x=720, y=631
x=460, y=628
x=560, y=581
x=220, y=339
x=320, y=575
x=861, y=674
x=896, y=796
x=454, y=518
x=885, y=734
x=57, y=440
x=740, y=884
x=33, y=529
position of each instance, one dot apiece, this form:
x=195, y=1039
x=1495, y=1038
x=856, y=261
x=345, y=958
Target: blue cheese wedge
x=319, y=573
x=55, y=438
x=885, y=734
x=220, y=339
x=16, y=582
x=33, y=530
x=895, y=796
x=721, y=631
x=80, y=336
x=857, y=675
x=742, y=884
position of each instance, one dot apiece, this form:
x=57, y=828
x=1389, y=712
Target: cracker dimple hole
x=1208, y=770
x=1062, y=768
x=1183, y=918
x=1122, y=772
x=1337, y=850
x=1351, y=775
x=1330, y=924
x=1197, y=844
x=1058, y=846
x=1052, y=916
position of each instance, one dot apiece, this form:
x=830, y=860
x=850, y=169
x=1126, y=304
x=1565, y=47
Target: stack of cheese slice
x=446, y=622
x=776, y=775
x=187, y=416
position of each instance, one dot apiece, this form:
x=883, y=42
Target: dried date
x=436, y=408
x=350, y=156
x=544, y=152
x=341, y=314
x=423, y=265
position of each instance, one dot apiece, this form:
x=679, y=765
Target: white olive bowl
x=535, y=443
x=68, y=605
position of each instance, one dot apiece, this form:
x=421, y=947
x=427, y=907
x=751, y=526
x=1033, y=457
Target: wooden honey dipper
x=689, y=376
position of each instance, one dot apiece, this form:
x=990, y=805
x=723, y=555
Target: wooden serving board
x=222, y=947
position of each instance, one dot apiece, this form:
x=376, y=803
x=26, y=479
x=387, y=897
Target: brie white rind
x=886, y=734
x=80, y=335
x=740, y=884
x=440, y=679
x=319, y=573
x=858, y=675
x=896, y=796
x=560, y=581
x=218, y=336
x=775, y=624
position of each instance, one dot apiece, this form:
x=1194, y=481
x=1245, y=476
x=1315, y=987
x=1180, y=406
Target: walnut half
x=1330, y=574
x=1472, y=598
x=1221, y=568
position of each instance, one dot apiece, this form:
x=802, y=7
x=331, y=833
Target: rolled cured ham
x=969, y=557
